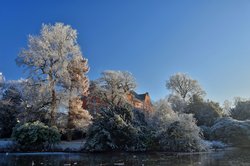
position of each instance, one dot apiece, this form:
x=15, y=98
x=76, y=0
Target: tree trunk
x=53, y=99
x=70, y=124
x=71, y=114
x=53, y=108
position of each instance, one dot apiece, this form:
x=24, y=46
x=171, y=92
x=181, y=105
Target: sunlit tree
x=78, y=88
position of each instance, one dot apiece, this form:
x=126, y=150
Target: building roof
x=140, y=97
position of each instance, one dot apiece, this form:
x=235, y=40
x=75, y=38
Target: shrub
x=35, y=135
x=232, y=132
x=183, y=135
x=175, y=132
x=113, y=130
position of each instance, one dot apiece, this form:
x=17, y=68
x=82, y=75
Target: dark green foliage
x=10, y=107
x=30, y=115
x=205, y=112
x=206, y=132
x=73, y=134
x=35, y=136
x=139, y=118
x=231, y=131
x=241, y=111
x=113, y=130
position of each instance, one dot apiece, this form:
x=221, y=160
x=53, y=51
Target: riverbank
x=7, y=145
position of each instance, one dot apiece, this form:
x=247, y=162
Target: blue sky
x=209, y=40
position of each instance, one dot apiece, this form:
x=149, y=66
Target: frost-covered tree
x=2, y=79
x=177, y=103
x=227, y=106
x=183, y=85
x=111, y=89
x=36, y=102
x=163, y=111
x=241, y=111
x=47, y=59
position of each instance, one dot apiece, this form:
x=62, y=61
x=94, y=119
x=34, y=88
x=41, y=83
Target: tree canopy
x=183, y=85
x=48, y=58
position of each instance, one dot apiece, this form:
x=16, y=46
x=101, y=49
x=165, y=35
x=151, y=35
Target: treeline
x=58, y=102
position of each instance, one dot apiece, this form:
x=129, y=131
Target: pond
x=234, y=157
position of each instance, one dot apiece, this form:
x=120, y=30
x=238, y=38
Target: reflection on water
x=232, y=157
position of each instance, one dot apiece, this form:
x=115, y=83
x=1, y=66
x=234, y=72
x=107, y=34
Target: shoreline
x=76, y=146
x=59, y=152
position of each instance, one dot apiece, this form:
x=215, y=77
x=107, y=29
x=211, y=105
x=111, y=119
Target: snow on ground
x=75, y=145
x=215, y=144
x=5, y=143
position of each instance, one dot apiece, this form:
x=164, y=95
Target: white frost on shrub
x=231, y=131
x=176, y=131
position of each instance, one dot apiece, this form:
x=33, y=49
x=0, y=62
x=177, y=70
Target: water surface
x=231, y=157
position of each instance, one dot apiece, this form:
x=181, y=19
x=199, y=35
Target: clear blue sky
x=209, y=40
